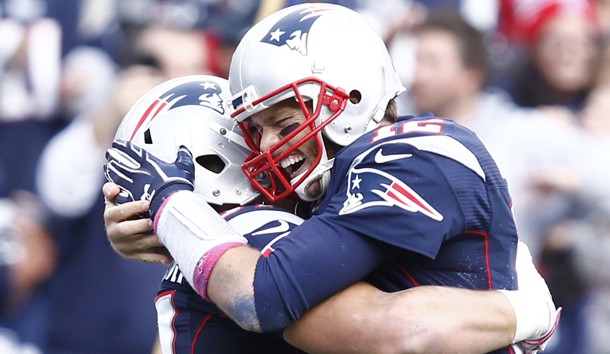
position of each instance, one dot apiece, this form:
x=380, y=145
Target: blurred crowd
x=530, y=77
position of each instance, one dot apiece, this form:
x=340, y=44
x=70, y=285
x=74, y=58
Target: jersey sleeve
x=384, y=199
x=400, y=195
x=315, y=262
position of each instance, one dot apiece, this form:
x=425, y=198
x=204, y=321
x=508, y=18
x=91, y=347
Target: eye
x=289, y=129
x=254, y=131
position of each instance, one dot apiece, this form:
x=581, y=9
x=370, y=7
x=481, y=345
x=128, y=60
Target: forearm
x=230, y=286
x=214, y=259
x=429, y=319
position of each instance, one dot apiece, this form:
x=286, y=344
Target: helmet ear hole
x=355, y=96
x=212, y=163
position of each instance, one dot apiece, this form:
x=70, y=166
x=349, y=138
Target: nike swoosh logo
x=282, y=227
x=381, y=158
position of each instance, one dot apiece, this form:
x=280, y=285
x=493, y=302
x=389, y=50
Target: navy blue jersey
x=417, y=202
x=189, y=324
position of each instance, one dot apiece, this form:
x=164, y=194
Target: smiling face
x=279, y=131
x=566, y=53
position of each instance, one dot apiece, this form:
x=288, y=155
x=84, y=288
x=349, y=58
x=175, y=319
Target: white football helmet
x=323, y=53
x=192, y=111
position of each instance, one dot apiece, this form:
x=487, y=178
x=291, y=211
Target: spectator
x=547, y=171
x=29, y=75
x=561, y=42
x=27, y=260
x=114, y=297
x=583, y=239
x=119, y=292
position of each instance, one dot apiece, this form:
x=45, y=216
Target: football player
x=173, y=105
x=191, y=110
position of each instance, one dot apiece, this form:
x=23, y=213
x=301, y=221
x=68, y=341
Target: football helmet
x=192, y=111
x=323, y=54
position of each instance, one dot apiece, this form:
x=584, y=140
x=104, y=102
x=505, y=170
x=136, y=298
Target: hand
x=530, y=282
x=142, y=176
x=533, y=346
x=129, y=235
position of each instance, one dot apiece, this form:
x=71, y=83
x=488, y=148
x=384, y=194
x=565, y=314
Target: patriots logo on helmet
x=206, y=93
x=390, y=191
x=292, y=30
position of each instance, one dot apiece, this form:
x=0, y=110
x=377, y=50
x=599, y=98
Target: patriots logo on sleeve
x=292, y=30
x=205, y=93
x=388, y=191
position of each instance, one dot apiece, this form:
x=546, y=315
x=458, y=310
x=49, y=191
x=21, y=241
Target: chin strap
x=320, y=173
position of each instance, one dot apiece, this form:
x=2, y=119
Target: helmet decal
x=211, y=97
x=206, y=93
x=185, y=95
x=291, y=31
x=189, y=110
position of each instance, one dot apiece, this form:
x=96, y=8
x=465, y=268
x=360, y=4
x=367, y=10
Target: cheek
x=309, y=148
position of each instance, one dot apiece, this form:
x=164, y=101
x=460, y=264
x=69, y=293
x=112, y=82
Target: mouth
x=292, y=165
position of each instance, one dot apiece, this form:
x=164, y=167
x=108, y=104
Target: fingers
x=143, y=248
x=133, y=243
x=123, y=152
x=156, y=255
x=116, y=172
x=111, y=196
x=129, y=211
x=185, y=158
x=110, y=191
x=130, y=236
x=152, y=257
x=184, y=152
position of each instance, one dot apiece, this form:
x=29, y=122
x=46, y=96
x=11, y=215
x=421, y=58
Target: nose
x=269, y=139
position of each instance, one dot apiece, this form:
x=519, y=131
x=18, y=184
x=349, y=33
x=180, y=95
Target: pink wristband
x=159, y=212
x=206, y=265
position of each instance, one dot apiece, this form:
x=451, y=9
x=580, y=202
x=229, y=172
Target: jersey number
x=430, y=126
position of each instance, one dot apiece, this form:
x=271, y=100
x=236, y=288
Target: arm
x=132, y=239
x=232, y=285
x=226, y=274
x=363, y=318
x=427, y=319
x=305, y=268
x=432, y=318
x=197, y=237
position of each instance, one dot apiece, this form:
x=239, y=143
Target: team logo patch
x=205, y=93
x=383, y=190
x=292, y=30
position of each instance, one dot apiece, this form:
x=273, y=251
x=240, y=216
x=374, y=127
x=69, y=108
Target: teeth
x=291, y=161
